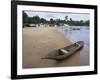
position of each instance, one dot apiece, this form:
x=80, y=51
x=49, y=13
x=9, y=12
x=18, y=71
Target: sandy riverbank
x=38, y=42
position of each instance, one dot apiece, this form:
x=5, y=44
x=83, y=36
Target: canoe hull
x=65, y=52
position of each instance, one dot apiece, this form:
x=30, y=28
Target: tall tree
x=66, y=18
x=36, y=19
x=25, y=18
x=42, y=20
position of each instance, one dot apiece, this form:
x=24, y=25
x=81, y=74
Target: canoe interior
x=58, y=54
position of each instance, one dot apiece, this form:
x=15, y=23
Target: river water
x=82, y=34
x=79, y=33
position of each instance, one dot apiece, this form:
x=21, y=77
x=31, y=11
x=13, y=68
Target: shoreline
x=38, y=42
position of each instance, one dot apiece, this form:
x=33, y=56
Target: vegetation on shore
x=37, y=20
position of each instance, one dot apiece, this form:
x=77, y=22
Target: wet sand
x=38, y=42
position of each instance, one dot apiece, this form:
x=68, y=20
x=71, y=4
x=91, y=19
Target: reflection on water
x=77, y=33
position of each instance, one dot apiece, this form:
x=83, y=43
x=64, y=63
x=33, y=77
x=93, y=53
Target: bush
x=25, y=25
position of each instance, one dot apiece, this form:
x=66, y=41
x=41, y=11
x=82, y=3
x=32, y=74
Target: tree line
x=37, y=20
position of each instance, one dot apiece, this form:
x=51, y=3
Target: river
x=82, y=34
x=79, y=33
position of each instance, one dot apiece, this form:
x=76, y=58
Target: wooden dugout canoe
x=65, y=52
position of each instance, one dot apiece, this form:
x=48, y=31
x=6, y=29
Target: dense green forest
x=37, y=20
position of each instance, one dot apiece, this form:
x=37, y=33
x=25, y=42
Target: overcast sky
x=57, y=15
